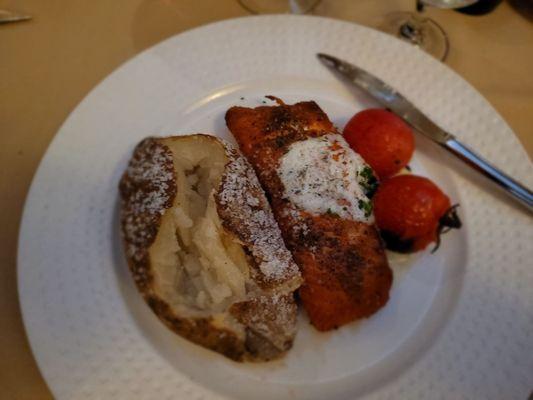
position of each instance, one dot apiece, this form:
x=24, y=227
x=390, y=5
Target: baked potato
x=204, y=249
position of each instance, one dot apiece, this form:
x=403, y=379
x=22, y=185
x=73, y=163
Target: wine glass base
x=420, y=31
x=278, y=6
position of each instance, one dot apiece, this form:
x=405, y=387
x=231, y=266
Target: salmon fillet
x=342, y=260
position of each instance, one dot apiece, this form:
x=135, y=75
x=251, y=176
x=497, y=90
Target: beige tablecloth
x=47, y=65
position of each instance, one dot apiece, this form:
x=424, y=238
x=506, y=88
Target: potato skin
x=150, y=175
x=343, y=263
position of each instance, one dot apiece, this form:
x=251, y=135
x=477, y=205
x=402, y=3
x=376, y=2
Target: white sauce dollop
x=324, y=175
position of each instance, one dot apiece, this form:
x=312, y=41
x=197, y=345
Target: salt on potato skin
x=246, y=312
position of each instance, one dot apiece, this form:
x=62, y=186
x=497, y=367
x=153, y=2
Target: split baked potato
x=204, y=248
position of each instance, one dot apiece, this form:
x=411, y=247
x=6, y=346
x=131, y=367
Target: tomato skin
x=383, y=139
x=408, y=211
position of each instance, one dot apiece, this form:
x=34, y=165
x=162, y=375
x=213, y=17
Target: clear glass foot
x=419, y=31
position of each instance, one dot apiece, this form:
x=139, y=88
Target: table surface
x=51, y=62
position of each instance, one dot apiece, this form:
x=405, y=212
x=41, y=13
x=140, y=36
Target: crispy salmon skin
x=342, y=260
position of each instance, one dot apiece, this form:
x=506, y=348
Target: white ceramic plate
x=458, y=324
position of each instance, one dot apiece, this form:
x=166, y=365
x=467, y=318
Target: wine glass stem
x=411, y=31
x=295, y=7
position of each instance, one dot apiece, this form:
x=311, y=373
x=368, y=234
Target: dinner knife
x=10, y=16
x=399, y=105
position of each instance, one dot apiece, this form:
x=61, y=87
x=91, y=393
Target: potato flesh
x=198, y=265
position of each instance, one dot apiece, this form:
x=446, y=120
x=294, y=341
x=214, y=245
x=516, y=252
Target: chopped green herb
x=330, y=212
x=366, y=206
x=367, y=173
x=368, y=181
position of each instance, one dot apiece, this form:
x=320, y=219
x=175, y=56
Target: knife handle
x=513, y=188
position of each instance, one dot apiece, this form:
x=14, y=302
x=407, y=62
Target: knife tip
x=327, y=59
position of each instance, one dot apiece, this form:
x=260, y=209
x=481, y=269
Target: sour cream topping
x=323, y=175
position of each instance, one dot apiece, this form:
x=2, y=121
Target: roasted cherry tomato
x=382, y=139
x=411, y=212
